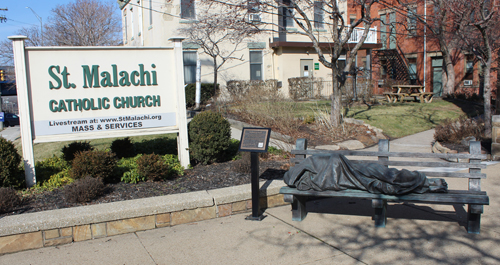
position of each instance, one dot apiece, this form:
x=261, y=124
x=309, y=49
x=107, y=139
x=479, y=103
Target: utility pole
x=41, y=24
x=3, y=18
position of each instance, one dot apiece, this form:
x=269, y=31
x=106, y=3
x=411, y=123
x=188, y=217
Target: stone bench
x=470, y=195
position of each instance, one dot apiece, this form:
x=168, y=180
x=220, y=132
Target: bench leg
x=474, y=218
x=299, y=211
x=380, y=207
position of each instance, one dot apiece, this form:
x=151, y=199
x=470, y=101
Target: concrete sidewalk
x=415, y=234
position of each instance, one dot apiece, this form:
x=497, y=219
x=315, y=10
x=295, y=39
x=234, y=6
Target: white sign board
x=96, y=92
x=78, y=93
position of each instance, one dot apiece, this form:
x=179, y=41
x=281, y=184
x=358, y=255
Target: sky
x=18, y=16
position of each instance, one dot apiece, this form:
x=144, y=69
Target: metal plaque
x=255, y=139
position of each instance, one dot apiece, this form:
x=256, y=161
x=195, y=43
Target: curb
x=63, y=226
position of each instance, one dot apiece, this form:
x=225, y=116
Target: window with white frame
x=318, y=15
x=189, y=60
x=187, y=9
x=412, y=21
x=469, y=67
x=288, y=13
x=256, y=65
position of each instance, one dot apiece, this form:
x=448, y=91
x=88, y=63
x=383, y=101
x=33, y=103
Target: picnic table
x=400, y=92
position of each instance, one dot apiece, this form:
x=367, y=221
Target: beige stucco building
x=277, y=54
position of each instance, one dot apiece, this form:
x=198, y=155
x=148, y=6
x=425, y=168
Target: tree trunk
x=449, y=87
x=487, y=99
x=215, y=77
x=336, y=97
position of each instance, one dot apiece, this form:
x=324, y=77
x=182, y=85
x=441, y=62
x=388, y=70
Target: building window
x=187, y=9
x=469, y=67
x=256, y=65
x=412, y=21
x=318, y=15
x=189, y=60
x=412, y=69
x=288, y=13
x=352, y=19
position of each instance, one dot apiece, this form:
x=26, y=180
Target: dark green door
x=437, y=76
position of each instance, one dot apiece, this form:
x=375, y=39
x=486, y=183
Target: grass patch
x=395, y=119
x=402, y=119
x=47, y=150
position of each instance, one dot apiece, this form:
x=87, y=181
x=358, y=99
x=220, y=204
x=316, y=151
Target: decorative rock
x=466, y=140
x=352, y=145
x=332, y=147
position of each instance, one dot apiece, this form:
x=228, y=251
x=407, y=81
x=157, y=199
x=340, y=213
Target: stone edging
x=240, y=125
x=437, y=147
x=62, y=226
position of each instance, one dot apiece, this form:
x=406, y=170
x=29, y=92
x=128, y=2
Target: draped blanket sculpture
x=336, y=172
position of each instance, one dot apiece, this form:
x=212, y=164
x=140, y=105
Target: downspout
x=425, y=45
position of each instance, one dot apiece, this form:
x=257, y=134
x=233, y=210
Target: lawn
x=395, y=119
x=46, y=150
x=402, y=119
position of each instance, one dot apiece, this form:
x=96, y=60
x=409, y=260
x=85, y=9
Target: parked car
x=10, y=120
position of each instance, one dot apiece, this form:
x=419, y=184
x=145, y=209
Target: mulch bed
x=200, y=177
x=209, y=177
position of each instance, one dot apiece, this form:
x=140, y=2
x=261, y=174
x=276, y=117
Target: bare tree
x=477, y=22
x=84, y=23
x=6, y=54
x=220, y=37
x=302, y=13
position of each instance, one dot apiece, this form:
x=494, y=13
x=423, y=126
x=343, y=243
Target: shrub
x=69, y=151
x=128, y=170
x=8, y=199
x=160, y=146
x=242, y=165
x=453, y=131
x=123, y=147
x=206, y=92
x=209, y=135
x=152, y=167
x=174, y=166
x=10, y=159
x=98, y=164
x=57, y=180
x=48, y=167
x=84, y=190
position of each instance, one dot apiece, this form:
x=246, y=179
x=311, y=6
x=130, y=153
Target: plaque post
x=255, y=141
x=254, y=166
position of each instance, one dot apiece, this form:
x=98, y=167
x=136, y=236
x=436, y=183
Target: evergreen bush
x=69, y=151
x=10, y=174
x=209, y=136
x=206, y=92
x=123, y=147
x=98, y=164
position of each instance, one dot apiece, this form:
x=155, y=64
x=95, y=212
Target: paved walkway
x=415, y=234
x=11, y=133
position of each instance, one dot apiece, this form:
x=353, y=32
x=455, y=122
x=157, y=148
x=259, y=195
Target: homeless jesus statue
x=335, y=172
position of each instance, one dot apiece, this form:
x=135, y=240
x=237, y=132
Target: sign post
x=255, y=141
